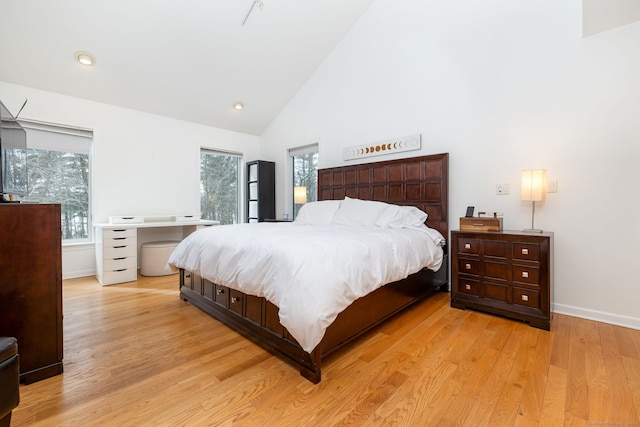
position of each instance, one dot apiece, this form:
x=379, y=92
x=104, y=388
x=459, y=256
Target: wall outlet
x=502, y=189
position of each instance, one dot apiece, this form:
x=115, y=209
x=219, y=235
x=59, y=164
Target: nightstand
x=508, y=273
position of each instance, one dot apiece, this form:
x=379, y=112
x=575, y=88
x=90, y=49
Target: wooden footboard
x=257, y=318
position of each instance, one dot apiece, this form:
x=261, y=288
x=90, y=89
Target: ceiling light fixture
x=85, y=58
x=238, y=105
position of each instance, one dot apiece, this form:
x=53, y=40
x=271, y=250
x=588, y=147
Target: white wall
x=143, y=164
x=502, y=86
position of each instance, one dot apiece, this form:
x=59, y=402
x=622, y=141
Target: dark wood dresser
x=31, y=286
x=508, y=273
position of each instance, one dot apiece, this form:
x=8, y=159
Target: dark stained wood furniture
x=31, y=286
x=419, y=181
x=261, y=191
x=508, y=273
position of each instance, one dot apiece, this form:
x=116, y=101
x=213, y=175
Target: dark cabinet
x=261, y=191
x=507, y=273
x=31, y=286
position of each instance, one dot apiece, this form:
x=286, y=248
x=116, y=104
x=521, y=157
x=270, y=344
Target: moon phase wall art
x=397, y=145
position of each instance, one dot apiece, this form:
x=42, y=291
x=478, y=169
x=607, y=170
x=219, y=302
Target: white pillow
x=359, y=212
x=401, y=216
x=317, y=213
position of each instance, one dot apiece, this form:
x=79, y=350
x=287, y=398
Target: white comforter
x=311, y=272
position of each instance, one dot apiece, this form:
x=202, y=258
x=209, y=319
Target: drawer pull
x=525, y=297
x=234, y=300
x=119, y=259
x=119, y=231
x=525, y=251
x=467, y=266
x=467, y=245
x=122, y=269
x=467, y=287
x=220, y=291
x=525, y=274
x=120, y=247
x=119, y=238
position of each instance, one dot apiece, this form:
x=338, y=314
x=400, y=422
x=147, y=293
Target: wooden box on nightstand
x=508, y=273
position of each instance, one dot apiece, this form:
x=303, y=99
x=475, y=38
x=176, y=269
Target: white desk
x=117, y=246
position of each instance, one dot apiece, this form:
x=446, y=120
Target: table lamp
x=533, y=190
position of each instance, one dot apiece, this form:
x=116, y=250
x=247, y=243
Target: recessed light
x=85, y=58
x=238, y=105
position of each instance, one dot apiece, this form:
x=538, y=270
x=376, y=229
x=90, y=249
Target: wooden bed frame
x=419, y=181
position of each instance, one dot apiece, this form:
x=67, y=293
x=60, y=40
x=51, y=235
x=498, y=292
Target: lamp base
x=532, y=230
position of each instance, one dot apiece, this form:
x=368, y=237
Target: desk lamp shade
x=300, y=195
x=533, y=190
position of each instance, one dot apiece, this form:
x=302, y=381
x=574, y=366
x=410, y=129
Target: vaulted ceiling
x=193, y=59
x=189, y=59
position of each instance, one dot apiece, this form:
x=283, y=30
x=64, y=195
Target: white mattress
x=311, y=272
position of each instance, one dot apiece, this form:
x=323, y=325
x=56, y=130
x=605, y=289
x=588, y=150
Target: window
x=219, y=186
x=58, y=165
x=304, y=167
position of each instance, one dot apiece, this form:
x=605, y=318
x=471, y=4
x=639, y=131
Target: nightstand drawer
x=496, y=292
x=524, y=274
x=469, y=246
x=526, y=251
x=469, y=266
x=468, y=286
x=495, y=249
x=526, y=297
x=496, y=270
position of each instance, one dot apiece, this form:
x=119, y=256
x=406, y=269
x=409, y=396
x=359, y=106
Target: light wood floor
x=135, y=354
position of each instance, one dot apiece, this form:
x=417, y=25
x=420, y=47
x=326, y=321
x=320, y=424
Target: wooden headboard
x=416, y=181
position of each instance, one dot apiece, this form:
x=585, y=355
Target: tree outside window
x=219, y=189
x=58, y=170
x=62, y=177
x=305, y=174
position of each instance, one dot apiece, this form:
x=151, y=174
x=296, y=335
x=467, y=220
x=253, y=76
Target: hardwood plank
x=135, y=354
x=577, y=400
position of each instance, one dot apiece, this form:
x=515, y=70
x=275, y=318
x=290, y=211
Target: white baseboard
x=600, y=316
x=76, y=274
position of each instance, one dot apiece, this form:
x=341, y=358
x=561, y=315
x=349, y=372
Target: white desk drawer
x=118, y=232
x=119, y=276
x=126, y=219
x=119, y=263
x=119, y=251
x=119, y=241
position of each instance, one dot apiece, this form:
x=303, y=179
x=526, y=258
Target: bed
x=419, y=182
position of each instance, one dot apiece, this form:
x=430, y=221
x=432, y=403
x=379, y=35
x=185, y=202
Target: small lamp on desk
x=533, y=190
x=299, y=199
x=300, y=195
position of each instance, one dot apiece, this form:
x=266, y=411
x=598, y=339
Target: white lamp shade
x=533, y=185
x=300, y=195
